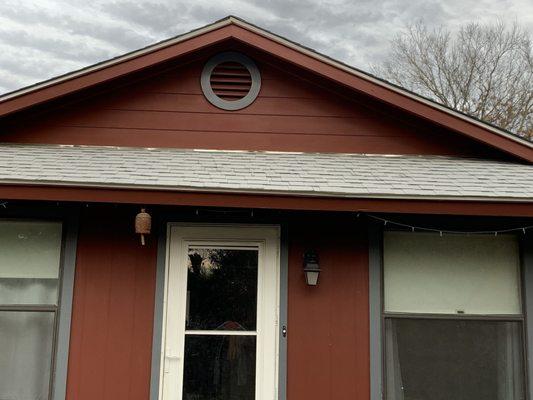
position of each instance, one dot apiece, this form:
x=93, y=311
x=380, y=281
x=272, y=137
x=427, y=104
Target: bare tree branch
x=482, y=70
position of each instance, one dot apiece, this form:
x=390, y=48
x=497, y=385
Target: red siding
x=111, y=335
x=172, y=198
x=292, y=113
x=328, y=331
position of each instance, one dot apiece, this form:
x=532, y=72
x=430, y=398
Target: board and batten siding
x=113, y=310
x=295, y=111
x=328, y=325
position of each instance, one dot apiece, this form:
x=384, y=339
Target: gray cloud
x=43, y=38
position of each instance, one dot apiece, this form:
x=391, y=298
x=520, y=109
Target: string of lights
x=415, y=228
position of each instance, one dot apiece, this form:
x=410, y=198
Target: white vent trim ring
x=230, y=57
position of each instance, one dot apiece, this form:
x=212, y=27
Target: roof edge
x=371, y=78
x=296, y=194
x=117, y=60
x=233, y=20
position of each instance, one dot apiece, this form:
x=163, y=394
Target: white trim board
x=265, y=238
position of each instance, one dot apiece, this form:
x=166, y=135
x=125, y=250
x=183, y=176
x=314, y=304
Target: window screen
x=454, y=359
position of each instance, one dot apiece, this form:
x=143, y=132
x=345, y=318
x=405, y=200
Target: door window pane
x=453, y=359
x=427, y=273
x=222, y=289
x=29, y=262
x=219, y=367
x=25, y=354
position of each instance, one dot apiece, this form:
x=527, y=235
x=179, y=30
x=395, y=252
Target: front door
x=221, y=313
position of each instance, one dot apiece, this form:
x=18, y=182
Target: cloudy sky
x=40, y=39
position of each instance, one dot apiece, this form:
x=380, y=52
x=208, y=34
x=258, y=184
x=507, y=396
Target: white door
x=220, y=336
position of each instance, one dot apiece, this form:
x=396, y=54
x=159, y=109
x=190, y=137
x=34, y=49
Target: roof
x=232, y=27
x=281, y=173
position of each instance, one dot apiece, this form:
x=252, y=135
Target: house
x=308, y=232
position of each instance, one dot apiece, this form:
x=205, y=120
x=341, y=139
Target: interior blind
x=470, y=274
x=30, y=249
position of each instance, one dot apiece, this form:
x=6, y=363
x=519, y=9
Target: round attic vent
x=230, y=81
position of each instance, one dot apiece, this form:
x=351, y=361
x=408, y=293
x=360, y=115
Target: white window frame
x=266, y=238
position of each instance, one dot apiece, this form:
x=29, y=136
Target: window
x=453, y=317
x=30, y=255
x=221, y=297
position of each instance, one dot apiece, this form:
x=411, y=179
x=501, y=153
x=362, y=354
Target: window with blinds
x=453, y=317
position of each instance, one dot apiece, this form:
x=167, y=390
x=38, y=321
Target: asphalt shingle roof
x=310, y=174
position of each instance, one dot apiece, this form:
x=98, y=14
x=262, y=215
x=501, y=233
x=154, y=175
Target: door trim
x=274, y=386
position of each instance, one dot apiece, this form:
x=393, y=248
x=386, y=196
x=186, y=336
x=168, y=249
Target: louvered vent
x=231, y=81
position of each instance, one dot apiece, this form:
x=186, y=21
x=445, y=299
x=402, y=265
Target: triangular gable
x=234, y=28
x=295, y=111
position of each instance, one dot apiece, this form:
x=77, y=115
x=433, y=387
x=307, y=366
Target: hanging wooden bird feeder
x=143, y=224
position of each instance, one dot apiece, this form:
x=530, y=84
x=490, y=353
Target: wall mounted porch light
x=311, y=267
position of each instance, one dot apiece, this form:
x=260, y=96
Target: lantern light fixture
x=311, y=267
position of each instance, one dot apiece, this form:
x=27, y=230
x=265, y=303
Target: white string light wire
x=414, y=228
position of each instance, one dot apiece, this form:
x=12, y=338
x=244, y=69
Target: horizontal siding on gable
x=240, y=141
x=196, y=103
x=291, y=114
x=226, y=122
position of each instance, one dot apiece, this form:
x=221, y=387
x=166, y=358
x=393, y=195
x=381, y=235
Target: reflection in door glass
x=222, y=289
x=219, y=367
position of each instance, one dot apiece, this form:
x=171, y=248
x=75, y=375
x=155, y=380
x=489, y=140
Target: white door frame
x=266, y=238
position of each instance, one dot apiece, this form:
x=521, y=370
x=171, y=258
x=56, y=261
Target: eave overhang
x=292, y=180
